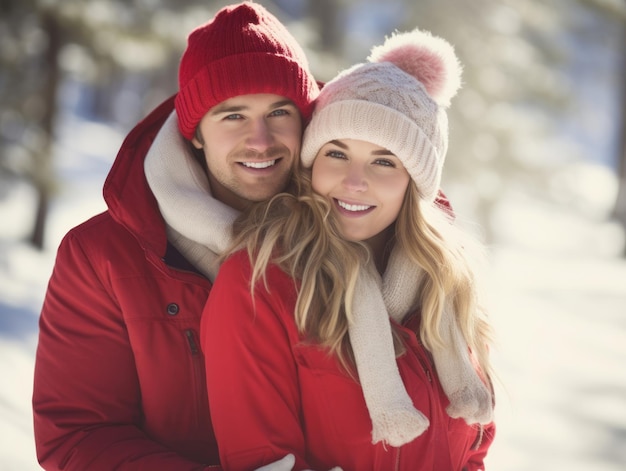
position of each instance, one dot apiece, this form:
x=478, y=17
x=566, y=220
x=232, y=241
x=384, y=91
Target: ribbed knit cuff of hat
x=198, y=225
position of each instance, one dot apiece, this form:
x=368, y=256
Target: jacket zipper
x=190, y=335
x=423, y=362
x=191, y=340
x=397, y=465
x=425, y=368
x=479, y=438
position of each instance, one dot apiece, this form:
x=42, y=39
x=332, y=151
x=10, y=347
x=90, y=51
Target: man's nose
x=260, y=137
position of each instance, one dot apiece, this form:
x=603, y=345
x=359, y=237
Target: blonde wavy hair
x=296, y=230
x=453, y=261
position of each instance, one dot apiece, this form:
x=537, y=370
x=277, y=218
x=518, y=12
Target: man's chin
x=259, y=198
x=264, y=193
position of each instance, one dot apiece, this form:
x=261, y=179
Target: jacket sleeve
x=476, y=456
x=251, y=372
x=86, y=401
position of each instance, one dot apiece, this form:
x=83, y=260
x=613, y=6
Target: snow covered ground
x=559, y=311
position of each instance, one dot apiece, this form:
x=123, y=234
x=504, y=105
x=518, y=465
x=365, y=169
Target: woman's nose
x=355, y=179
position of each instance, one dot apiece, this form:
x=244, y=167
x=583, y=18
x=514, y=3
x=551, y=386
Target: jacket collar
x=126, y=191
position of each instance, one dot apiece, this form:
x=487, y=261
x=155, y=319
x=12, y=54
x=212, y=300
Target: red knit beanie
x=243, y=50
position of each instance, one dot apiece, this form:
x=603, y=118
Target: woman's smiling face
x=366, y=184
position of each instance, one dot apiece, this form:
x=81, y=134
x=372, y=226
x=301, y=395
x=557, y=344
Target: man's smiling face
x=250, y=144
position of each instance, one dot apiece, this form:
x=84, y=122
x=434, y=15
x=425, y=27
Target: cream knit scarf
x=199, y=226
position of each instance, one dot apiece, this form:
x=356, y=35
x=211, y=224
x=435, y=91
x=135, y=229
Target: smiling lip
x=352, y=208
x=256, y=165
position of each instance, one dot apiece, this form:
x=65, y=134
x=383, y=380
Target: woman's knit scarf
x=199, y=226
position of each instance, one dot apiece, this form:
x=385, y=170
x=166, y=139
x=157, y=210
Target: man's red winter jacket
x=119, y=375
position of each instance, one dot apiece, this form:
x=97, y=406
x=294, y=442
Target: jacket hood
x=126, y=191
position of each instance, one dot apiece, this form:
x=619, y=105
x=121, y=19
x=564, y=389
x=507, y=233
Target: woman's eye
x=335, y=154
x=385, y=163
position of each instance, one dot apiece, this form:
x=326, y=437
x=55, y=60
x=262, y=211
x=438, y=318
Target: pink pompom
x=428, y=58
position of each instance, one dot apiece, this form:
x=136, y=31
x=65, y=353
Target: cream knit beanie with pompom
x=396, y=100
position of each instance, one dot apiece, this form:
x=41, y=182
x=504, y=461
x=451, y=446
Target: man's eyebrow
x=281, y=103
x=219, y=109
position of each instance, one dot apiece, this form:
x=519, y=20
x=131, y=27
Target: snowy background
x=559, y=310
x=558, y=284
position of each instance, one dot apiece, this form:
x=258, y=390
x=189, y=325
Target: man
x=119, y=378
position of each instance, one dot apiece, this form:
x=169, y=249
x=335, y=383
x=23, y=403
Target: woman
x=349, y=331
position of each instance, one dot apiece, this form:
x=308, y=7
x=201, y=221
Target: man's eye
x=280, y=112
x=233, y=117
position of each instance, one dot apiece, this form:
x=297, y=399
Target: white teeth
x=265, y=164
x=353, y=207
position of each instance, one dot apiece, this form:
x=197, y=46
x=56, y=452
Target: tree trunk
x=619, y=212
x=327, y=15
x=42, y=174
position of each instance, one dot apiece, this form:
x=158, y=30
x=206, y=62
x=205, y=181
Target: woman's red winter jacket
x=272, y=393
x=119, y=376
